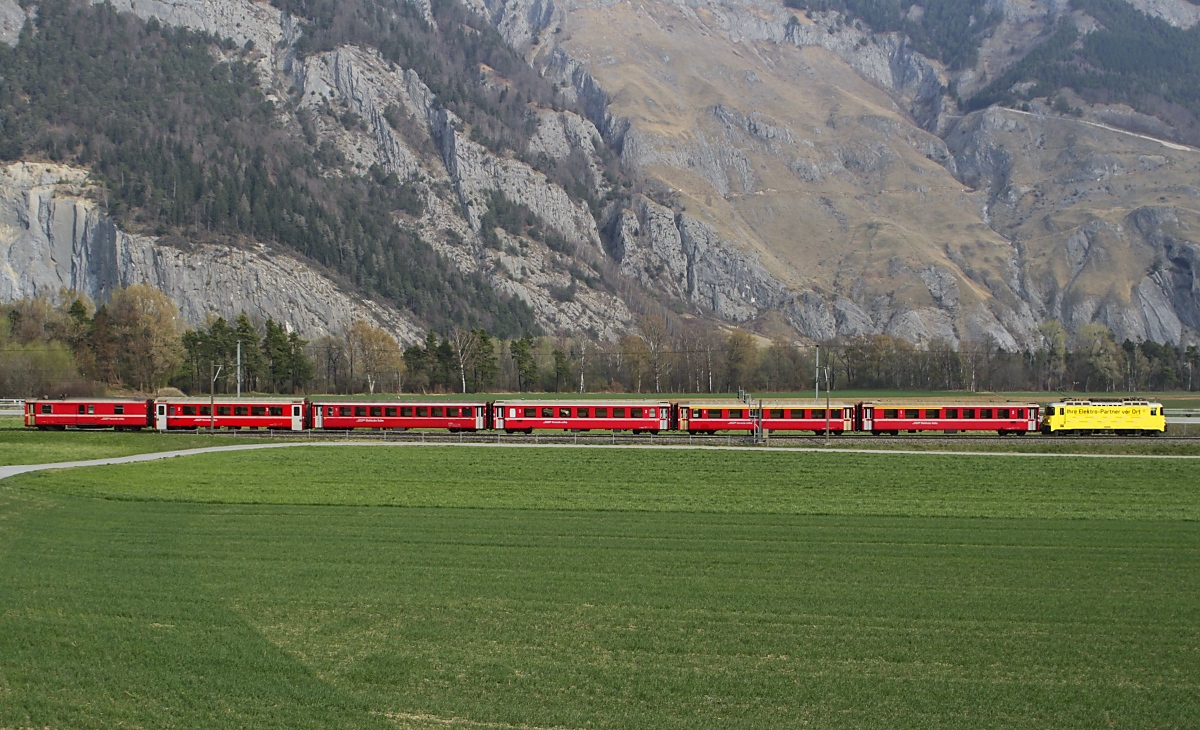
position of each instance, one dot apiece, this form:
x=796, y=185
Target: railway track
x=622, y=439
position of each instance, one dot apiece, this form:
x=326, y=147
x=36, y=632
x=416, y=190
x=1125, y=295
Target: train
x=1069, y=416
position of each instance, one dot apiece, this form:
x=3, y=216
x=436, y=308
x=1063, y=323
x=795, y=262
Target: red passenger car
x=616, y=415
x=255, y=412
x=710, y=416
x=116, y=413
x=466, y=416
x=949, y=416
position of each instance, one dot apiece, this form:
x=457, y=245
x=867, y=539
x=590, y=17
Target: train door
x=297, y=417
x=664, y=417
x=498, y=416
x=318, y=415
x=866, y=417
x=160, y=419
x=481, y=417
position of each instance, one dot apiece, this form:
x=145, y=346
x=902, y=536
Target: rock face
x=810, y=178
x=53, y=237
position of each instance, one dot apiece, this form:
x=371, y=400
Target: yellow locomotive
x=1123, y=416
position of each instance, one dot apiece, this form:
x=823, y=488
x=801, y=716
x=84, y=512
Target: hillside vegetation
x=185, y=145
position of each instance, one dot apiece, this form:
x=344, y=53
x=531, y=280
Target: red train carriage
x=281, y=413
x=949, y=416
x=616, y=415
x=115, y=413
x=467, y=416
x=710, y=416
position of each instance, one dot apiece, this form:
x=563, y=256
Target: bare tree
x=654, y=334
x=464, y=342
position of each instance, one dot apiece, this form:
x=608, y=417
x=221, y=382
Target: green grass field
x=21, y=446
x=520, y=588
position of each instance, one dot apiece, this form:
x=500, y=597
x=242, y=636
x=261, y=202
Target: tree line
x=135, y=342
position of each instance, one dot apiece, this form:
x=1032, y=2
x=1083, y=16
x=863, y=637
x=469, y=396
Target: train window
x=1154, y=411
x=776, y=413
x=376, y=411
x=564, y=412
x=1020, y=413
x=119, y=410
x=837, y=413
x=406, y=412
x=422, y=412
x=968, y=413
x=581, y=412
x=636, y=413
x=912, y=413
x=436, y=411
x=1002, y=413
x=258, y=410
x=1062, y=411
x=189, y=410
x=735, y=412
x=650, y=412
x=818, y=413
x=204, y=411
x=618, y=413
x=452, y=413
x=389, y=412
x=985, y=413
x=275, y=410
x=81, y=410
x=92, y=411
x=241, y=411
x=951, y=413
x=222, y=410
x=797, y=413
x=46, y=408
x=889, y=412
x=345, y=411
x=468, y=412
x=530, y=413
x=360, y=410
x=715, y=413
x=547, y=413
x=933, y=413
x=601, y=413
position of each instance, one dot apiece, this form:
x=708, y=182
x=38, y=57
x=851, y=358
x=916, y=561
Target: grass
x=20, y=446
x=675, y=480
x=501, y=588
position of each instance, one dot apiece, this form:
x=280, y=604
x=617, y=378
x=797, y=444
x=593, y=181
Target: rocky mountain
x=794, y=170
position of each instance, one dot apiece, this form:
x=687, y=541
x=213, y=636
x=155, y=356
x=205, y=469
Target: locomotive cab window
x=222, y=410
x=1154, y=411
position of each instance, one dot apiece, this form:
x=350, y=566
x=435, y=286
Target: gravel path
x=8, y=471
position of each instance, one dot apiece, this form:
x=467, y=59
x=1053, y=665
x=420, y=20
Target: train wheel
x=1002, y=432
